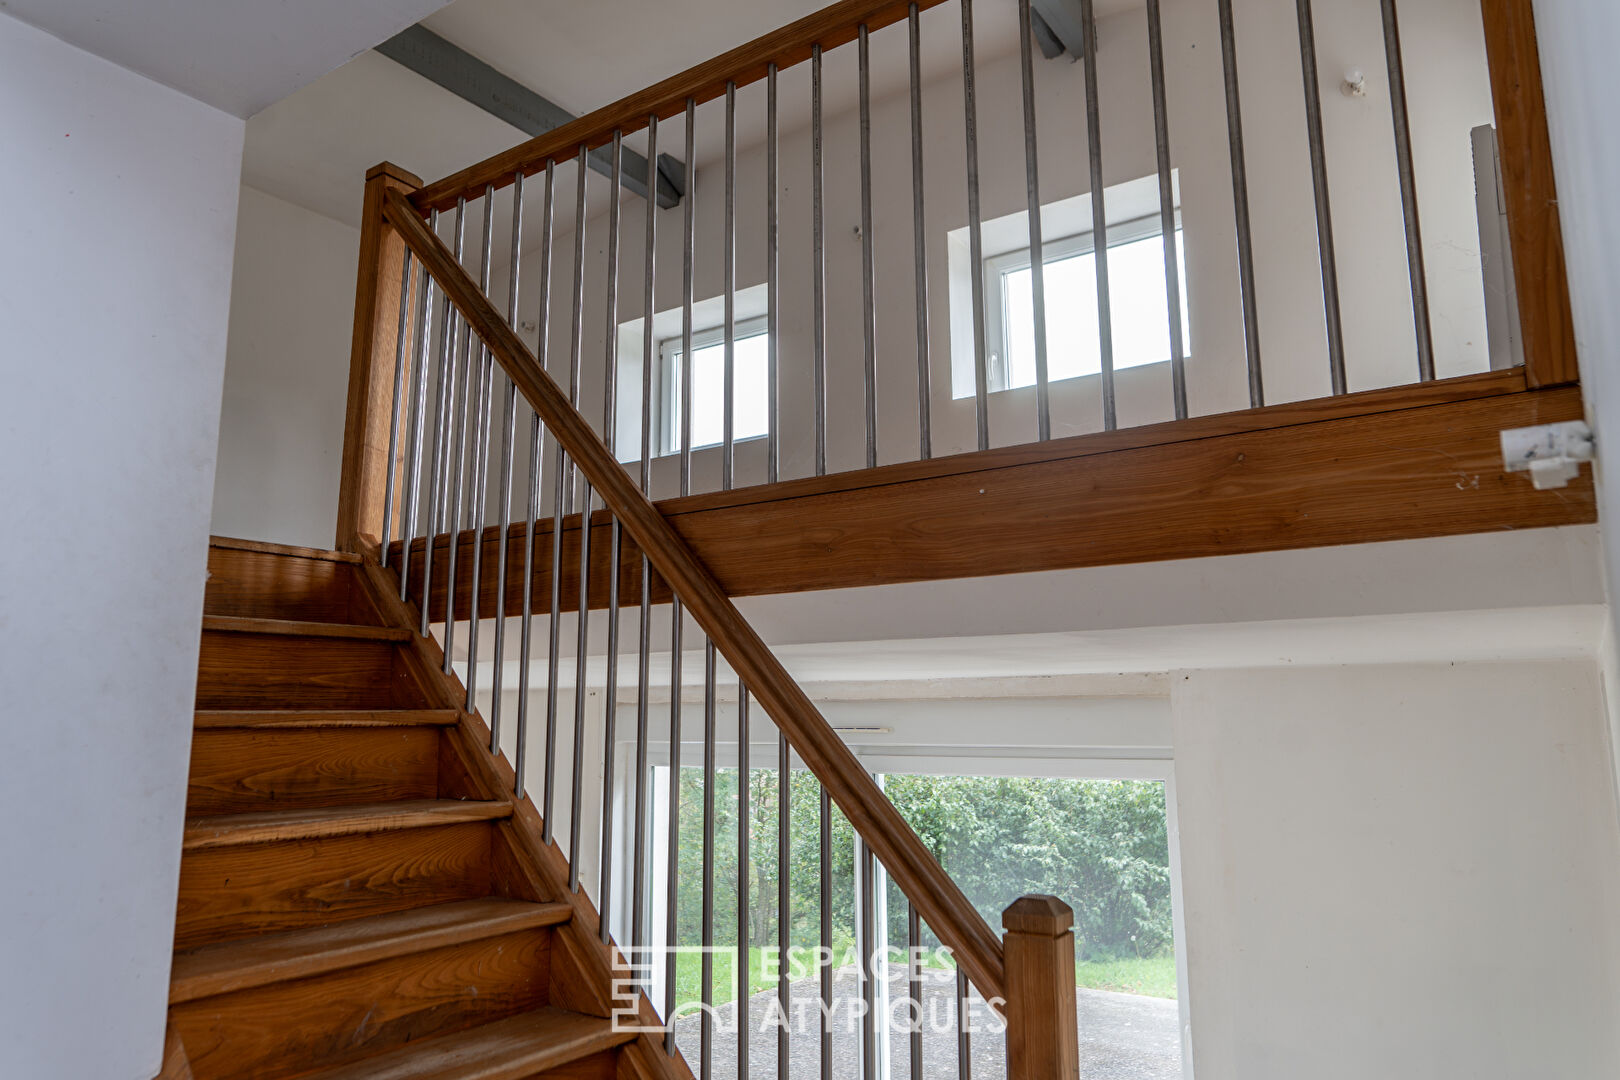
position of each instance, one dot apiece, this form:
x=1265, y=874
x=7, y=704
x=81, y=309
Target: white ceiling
x=236, y=55
x=313, y=148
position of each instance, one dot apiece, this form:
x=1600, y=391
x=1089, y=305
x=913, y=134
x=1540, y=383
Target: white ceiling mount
x=1550, y=453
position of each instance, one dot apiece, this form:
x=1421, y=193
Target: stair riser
x=257, y=585
x=243, y=771
x=235, y=892
x=274, y=671
x=603, y=1066
x=291, y=1027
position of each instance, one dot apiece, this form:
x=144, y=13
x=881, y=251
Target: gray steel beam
x=1059, y=25
x=472, y=80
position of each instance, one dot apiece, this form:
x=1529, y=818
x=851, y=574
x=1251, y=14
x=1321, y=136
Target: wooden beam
x=1433, y=470
x=1545, y=321
x=372, y=359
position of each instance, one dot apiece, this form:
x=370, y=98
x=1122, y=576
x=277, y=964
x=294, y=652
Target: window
x=1141, y=331
x=750, y=406
x=1099, y=833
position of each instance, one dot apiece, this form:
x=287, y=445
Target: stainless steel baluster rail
x=508, y=447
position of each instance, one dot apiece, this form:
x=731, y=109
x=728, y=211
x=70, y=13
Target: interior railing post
x=373, y=359
x=1043, y=1035
x=1546, y=324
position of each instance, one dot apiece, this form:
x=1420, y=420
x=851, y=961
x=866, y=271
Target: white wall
x=1578, y=40
x=113, y=296
x=1399, y=871
x=286, y=374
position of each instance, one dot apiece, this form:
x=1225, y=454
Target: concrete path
x=1122, y=1036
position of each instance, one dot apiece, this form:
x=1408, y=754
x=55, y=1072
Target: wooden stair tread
x=238, y=965
x=225, y=830
x=304, y=628
x=323, y=718
x=512, y=1049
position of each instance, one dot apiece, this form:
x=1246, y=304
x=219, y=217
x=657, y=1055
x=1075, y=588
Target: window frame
x=667, y=382
x=995, y=269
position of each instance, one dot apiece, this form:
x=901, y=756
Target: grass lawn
x=1153, y=976
x=689, y=976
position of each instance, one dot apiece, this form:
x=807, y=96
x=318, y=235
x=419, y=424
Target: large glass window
x=1102, y=844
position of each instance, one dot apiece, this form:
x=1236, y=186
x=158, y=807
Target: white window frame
x=667, y=382
x=995, y=269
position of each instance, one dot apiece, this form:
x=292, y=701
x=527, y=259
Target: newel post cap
x=1038, y=914
x=394, y=172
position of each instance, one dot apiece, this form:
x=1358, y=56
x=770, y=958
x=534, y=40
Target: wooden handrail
x=830, y=27
x=938, y=899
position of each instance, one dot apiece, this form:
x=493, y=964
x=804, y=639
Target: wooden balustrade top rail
x=830, y=27
x=936, y=896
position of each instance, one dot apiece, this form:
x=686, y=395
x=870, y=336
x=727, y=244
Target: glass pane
x=1101, y=845
x=1136, y=300
x=750, y=406
x=804, y=925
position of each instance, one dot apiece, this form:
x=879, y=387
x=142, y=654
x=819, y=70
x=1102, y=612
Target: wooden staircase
x=360, y=897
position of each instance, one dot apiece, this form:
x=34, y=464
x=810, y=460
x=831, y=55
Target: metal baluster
x=742, y=965
x=537, y=442
x=674, y=814
x=648, y=302
x=914, y=984
x=688, y=246
x=402, y=349
x=1409, y=202
x=1099, y=218
x=526, y=633
x=728, y=466
x=644, y=659
x=824, y=960
x=919, y=238
x=1037, y=252
x=818, y=263
x=508, y=440
x=582, y=617
x=868, y=257
x=868, y=940
x=610, y=701
x=610, y=433
x=477, y=495
x=784, y=944
x=1240, y=203
x=413, y=450
x=1167, y=212
x=559, y=509
x=638, y=938
x=981, y=384
x=1319, y=186
x=439, y=481
x=773, y=285
x=460, y=510
x=706, y=1053
x=964, y=1041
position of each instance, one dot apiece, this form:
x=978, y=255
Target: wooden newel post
x=372, y=360
x=1043, y=1036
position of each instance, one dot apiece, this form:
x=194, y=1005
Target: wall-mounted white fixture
x=1550, y=453
x=1355, y=83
